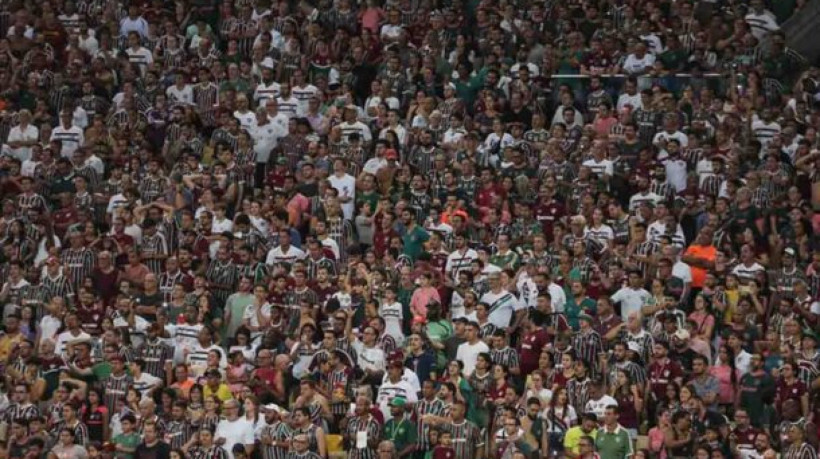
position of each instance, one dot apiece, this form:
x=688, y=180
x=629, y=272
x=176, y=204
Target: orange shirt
x=706, y=252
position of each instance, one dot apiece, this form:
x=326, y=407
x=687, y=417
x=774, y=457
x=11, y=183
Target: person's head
x=699, y=365
x=611, y=415
x=459, y=409
x=589, y=422
x=386, y=450
x=586, y=446
x=66, y=436
x=362, y=406
x=231, y=408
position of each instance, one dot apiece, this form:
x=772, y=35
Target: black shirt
x=159, y=450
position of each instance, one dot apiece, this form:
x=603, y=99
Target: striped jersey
x=213, y=452
x=114, y=389
x=507, y=357
x=177, y=433
x=18, y=411
x=79, y=263
x=278, y=432
x=467, y=439
x=371, y=428
x=435, y=407
x=155, y=355
x=155, y=244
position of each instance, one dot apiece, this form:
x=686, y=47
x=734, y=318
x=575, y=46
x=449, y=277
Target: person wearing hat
x=393, y=386
x=275, y=435
x=399, y=429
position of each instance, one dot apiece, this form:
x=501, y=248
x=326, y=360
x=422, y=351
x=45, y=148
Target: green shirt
x=414, y=241
x=756, y=392
x=130, y=441
x=401, y=433
x=613, y=445
x=573, y=309
x=371, y=198
x=101, y=371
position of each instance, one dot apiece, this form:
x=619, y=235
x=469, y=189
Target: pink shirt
x=656, y=439
x=724, y=375
x=371, y=17
x=421, y=298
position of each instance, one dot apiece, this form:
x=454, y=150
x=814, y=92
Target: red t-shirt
x=791, y=391
x=530, y=350
x=661, y=374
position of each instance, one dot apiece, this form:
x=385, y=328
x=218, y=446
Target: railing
x=624, y=76
x=674, y=82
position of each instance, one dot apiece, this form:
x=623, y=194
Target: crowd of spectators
x=408, y=229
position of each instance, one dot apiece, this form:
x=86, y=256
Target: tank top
x=626, y=407
x=683, y=451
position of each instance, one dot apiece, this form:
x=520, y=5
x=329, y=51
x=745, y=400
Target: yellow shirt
x=573, y=437
x=222, y=393
x=7, y=342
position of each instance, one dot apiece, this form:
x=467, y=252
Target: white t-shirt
x=303, y=95
x=393, y=316
x=458, y=261
x=762, y=24
x=252, y=317
x=388, y=391
x=238, y=432
x=18, y=134
x=634, y=100
x=220, y=226
x=599, y=406
x=677, y=135
x=747, y=273
x=247, y=120
x=631, y=300
x=502, y=307
x=599, y=168
x=346, y=186
x=369, y=357
x=277, y=255
x=71, y=138
x=682, y=271
x=184, y=95
x=468, y=354
x=373, y=165
x=634, y=64
x=64, y=338
x=264, y=92
x=146, y=382
x=265, y=139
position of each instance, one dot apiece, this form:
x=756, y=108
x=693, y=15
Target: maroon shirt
x=530, y=350
x=661, y=374
x=547, y=214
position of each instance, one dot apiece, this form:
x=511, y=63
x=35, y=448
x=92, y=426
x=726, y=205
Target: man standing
x=633, y=296
x=613, y=441
x=467, y=440
x=234, y=430
x=392, y=389
x=467, y=353
x=757, y=390
x=399, y=430
x=363, y=432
